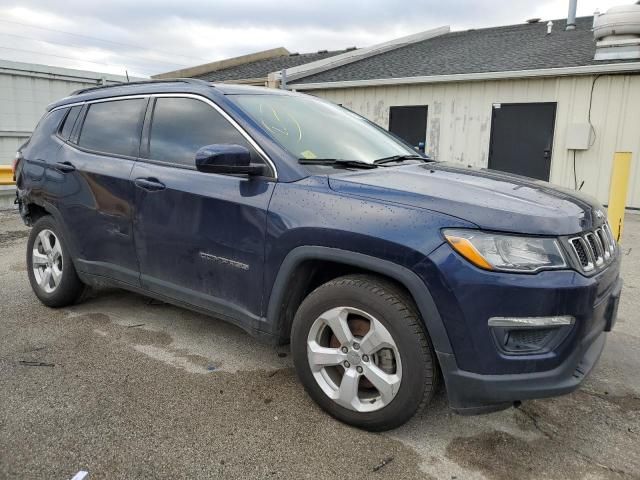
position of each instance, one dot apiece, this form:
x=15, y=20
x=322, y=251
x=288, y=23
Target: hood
x=490, y=199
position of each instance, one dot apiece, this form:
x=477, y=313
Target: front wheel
x=362, y=354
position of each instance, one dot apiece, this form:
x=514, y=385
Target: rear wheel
x=361, y=352
x=51, y=272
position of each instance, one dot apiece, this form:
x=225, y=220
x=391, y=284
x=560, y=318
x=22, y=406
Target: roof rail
x=143, y=82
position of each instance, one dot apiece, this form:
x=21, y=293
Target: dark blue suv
x=302, y=222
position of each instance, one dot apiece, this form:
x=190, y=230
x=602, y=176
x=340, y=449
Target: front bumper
x=479, y=377
x=472, y=393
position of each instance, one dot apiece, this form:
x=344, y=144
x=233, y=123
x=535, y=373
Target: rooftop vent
x=571, y=16
x=533, y=20
x=323, y=51
x=294, y=54
x=349, y=49
x=617, y=33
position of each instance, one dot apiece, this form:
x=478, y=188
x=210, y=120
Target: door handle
x=150, y=184
x=64, y=167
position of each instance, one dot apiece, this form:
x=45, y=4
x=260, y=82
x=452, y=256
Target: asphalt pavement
x=122, y=386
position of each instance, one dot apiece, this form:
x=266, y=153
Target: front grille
x=593, y=250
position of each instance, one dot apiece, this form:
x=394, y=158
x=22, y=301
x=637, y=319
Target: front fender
x=404, y=276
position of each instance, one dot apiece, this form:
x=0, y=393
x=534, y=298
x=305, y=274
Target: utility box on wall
x=579, y=136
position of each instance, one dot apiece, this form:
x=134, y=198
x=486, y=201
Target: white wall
x=25, y=92
x=459, y=123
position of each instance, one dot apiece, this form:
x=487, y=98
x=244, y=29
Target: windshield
x=309, y=128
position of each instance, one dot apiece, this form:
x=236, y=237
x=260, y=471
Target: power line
x=61, y=56
x=85, y=46
x=101, y=39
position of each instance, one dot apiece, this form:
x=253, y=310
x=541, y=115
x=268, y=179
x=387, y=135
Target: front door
x=409, y=123
x=199, y=236
x=522, y=138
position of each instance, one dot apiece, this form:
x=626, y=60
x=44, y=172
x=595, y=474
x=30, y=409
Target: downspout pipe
x=571, y=17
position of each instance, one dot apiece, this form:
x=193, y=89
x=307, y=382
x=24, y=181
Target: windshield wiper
x=336, y=162
x=401, y=158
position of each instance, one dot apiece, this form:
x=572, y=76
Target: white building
x=26, y=90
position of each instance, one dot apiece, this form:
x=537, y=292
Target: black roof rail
x=142, y=82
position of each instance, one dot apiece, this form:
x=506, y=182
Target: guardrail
x=6, y=175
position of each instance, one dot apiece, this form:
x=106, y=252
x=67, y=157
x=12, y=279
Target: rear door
x=522, y=138
x=199, y=236
x=95, y=193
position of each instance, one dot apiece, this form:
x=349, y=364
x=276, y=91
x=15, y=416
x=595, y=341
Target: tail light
x=14, y=164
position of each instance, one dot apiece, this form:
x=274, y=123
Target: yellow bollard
x=618, y=191
x=6, y=175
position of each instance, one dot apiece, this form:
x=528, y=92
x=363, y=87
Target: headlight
x=493, y=251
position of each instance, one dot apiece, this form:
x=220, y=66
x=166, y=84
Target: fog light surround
x=530, y=335
x=532, y=322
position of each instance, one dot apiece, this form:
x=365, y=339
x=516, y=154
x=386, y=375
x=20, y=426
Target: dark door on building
x=409, y=123
x=522, y=138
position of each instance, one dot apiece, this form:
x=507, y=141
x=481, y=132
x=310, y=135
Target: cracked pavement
x=125, y=387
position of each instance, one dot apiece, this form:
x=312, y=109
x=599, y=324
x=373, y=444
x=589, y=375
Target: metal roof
x=498, y=49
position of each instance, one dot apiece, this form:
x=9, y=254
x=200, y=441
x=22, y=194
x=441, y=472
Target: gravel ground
x=125, y=387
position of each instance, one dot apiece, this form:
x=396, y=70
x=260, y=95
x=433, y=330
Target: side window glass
x=181, y=126
x=113, y=127
x=70, y=121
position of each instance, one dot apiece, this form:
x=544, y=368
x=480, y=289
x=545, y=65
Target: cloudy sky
x=153, y=36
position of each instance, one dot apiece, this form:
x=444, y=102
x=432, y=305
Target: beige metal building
x=460, y=115
x=526, y=98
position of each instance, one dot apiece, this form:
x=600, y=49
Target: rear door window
x=113, y=127
x=181, y=126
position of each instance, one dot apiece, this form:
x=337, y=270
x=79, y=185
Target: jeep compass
x=303, y=223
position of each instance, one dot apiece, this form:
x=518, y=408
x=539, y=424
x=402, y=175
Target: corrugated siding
x=23, y=100
x=459, y=123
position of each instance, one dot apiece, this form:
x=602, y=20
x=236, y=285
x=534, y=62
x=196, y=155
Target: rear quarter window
x=70, y=121
x=113, y=127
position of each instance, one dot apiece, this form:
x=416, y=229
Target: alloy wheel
x=47, y=261
x=354, y=359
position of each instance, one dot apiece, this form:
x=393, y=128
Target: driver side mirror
x=227, y=159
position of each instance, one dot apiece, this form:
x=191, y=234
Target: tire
x=64, y=287
x=357, y=301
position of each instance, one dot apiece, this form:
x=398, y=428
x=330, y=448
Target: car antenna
x=126, y=72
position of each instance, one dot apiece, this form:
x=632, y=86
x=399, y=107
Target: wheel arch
x=31, y=211
x=292, y=283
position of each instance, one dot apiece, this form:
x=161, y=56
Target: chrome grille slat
x=582, y=253
x=593, y=250
x=612, y=242
x=604, y=243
